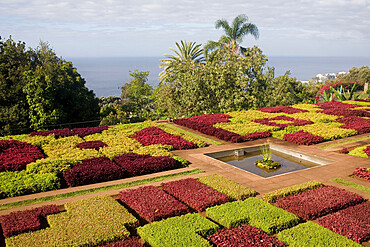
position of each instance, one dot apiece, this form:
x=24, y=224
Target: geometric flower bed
x=279, y=109
x=92, y=145
x=154, y=135
x=244, y=235
x=314, y=203
x=24, y=221
x=131, y=242
x=362, y=151
x=282, y=121
x=362, y=172
x=352, y=222
x=15, y=155
x=81, y=132
x=152, y=203
x=362, y=125
x=303, y=138
x=194, y=193
x=211, y=119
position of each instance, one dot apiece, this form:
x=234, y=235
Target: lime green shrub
x=292, y=190
x=185, y=230
x=328, y=131
x=308, y=107
x=245, y=128
x=312, y=234
x=22, y=183
x=87, y=222
x=227, y=186
x=255, y=212
x=359, y=152
x=56, y=166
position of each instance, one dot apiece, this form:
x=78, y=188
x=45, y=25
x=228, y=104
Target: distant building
x=328, y=76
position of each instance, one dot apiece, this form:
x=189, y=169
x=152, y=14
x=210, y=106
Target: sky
x=137, y=28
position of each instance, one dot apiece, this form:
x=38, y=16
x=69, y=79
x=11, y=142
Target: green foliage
x=227, y=186
x=328, y=131
x=359, y=152
x=87, y=222
x=356, y=74
x=312, y=234
x=255, y=212
x=353, y=102
x=57, y=166
x=292, y=190
x=343, y=96
x=22, y=183
x=185, y=230
x=351, y=184
x=56, y=93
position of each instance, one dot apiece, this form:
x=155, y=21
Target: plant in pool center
x=267, y=162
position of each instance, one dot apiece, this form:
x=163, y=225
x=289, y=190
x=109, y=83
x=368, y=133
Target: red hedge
x=314, y=203
x=93, y=170
x=284, y=109
x=367, y=151
x=195, y=194
x=352, y=222
x=303, y=138
x=270, y=121
x=335, y=104
x=131, y=242
x=257, y=135
x=154, y=135
x=362, y=172
x=82, y=132
x=24, y=221
x=58, y=133
x=137, y=164
x=244, y=235
x=15, y=155
x=211, y=119
x=152, y=203
x=346, y=112
x=362, y=125
x=92, y=145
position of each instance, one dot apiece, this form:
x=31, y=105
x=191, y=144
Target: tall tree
x=235, y=33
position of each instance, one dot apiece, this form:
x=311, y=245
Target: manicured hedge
x=335, y=104
x=56, y=166
x=15, y=155
x=367, y=150
x=286, y=121
x=329, y=131
x=211, y=119
x=312, y=234
x=352, y=222
x=92, y=145
x=136, y=164
x=346, y=112
x=257, y=135
x=24, y=221
x=234, y=190
x=93, y=170
x=185, y=230
x=195, y=194
x=154, y=135
x=255, y=212
x=57, y=133
x=303, y=138
x=292, y=190
x=23, y=183
x=152, y=203
x=314, y=203
x=244, y=235
x=87, y=222
x=359, y=152
x=131, y=242
x=82, y=132
x=362, y=172
x=279, y=109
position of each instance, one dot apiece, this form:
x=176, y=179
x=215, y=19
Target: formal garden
x=194, y=207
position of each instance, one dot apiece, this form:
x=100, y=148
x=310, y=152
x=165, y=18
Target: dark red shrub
x=92, y=145
x=211, y=119
x=335, y=104
x=362, y=125
x=344, y=151
x=152, y=203
x=195, y=194
x=303, y=138
x=345, y=112
x=257, y=135
x=244, y=235
x=352, y=222
x=93, y=170
x=58, y=133
x=82, y=132
x=154, y=135
x=278, y=109
x=15, y=155
x=362, y=172
x=271, y=122
x=24, y=221
x=137, y=164
x=314, y=203
x=131, y=242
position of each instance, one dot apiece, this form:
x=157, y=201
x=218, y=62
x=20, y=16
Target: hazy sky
x=112, y=28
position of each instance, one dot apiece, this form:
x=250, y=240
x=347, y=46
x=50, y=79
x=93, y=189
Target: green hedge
x=359, y=152
x=87, y=222
x=21, y=183
x=185, y=230
x=255, y=212
x=292, y=190
x=312, y=234
x=227, y=186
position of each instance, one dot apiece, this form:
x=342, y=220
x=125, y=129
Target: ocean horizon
x=106, y=75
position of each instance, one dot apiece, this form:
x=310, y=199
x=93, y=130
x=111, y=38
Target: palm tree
x=186, y=51
x=233, y=34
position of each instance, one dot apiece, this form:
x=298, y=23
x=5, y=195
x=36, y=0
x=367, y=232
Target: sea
x=105, y=76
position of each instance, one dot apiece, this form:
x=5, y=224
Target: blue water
x=107, y=75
